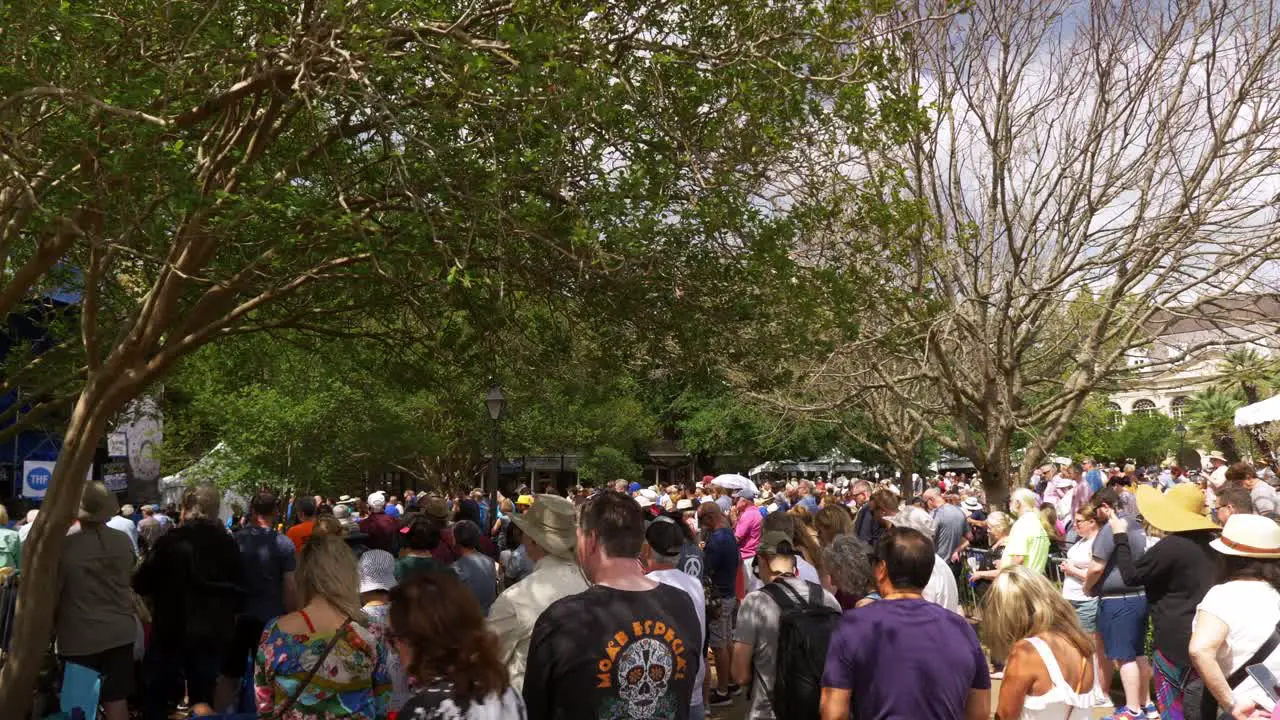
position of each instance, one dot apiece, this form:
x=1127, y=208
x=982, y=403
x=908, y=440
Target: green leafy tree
x=1147, y=438
x=1211, y=421
x=604, y=464
x=197, y=172
x=1255, y=376
x=1091, y=433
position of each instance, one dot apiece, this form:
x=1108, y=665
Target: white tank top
x=1062, y=702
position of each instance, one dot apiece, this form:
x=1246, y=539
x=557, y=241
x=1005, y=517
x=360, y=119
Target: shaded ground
x=738, y=710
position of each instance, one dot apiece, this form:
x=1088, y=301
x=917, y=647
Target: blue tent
x=29, y=326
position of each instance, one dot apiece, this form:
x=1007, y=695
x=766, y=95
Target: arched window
x=1143, y=407
x=1179, y=406
x=1115, y=415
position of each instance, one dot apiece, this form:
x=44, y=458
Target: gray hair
x=848, y=561
x=201, y=503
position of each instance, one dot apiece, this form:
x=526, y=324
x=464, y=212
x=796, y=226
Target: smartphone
x=1266, y=680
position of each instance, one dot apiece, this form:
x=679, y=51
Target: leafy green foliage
x=1146, y=438
x=605, y=464
x=1211, y=420
x=1099, y=433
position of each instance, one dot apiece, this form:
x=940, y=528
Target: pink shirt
x=747, y=531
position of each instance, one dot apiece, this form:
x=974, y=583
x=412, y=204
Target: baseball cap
x=633, y=488
x=664, y=536
x=776, y=542
x=745, y=493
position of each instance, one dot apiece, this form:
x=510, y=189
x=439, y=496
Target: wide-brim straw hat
x=97, y=504
x=552, y=523
x=1179, y=510
x=1252, y=536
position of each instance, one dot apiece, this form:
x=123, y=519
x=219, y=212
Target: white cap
x=377, y=501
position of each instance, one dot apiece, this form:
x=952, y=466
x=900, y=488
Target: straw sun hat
x=1179, y=510
x=1252, y=536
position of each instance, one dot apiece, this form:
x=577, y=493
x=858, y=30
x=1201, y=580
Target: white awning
x=1258, y=413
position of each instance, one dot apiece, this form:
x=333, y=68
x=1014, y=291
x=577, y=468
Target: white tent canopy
x=206, y=469
x=1258, y=413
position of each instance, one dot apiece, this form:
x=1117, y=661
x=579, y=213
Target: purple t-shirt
x=906, y=659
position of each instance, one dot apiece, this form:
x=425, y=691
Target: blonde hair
x=4, y=515
x=1023, y=501
x=1022, y=604
x=832, y=521
x=328, y=525
x=801, y=513
x=327, y=569
x=999, y=523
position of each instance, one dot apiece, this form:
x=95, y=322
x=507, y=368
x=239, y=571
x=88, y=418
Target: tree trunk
x=42, y=552
x=1265, y=452
x=998, y=477
x=905, y=460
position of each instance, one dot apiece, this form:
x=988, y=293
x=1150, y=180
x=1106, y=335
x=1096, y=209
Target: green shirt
x=10, y=548
x=1028, y=539
x=414, y=564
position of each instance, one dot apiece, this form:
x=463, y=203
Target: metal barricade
x=8, y=604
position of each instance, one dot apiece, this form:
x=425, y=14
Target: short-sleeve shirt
x=410, y=565
x=94, y=603
x=886, y=652
x=950, y=529
x=758, y=621
x=690, y=560
x=1028, y=539
x=267, y=556
x=609, y=653
x=479, y=573
x=301, y=533
x=721, y=555
x=1246, y=631
x=1104, y=545
x=747, y=531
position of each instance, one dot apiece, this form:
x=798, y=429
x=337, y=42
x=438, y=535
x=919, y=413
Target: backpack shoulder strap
x=783, y=595
x=815, y=595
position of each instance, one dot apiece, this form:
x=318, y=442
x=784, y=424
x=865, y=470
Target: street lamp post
x=1181, y=430
x=496, y=402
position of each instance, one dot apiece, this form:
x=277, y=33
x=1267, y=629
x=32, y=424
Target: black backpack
x=804, y=632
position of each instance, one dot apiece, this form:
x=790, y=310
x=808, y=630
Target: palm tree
x=1252, y=374
x=1211, y=420
x=1248, y=371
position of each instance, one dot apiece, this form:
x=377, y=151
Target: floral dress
x=402, y=686
x=352, y=683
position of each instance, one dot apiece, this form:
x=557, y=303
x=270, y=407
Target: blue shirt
x=808, y=503
x=266, y=556
x=722, y=559
x=393, y=511
x=1094, y=478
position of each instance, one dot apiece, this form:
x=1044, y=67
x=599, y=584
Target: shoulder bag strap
x=293, y=699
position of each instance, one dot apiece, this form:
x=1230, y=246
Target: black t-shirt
x=1176, y=572
x=608, y=653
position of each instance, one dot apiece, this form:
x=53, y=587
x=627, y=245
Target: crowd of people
x=832, y=599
